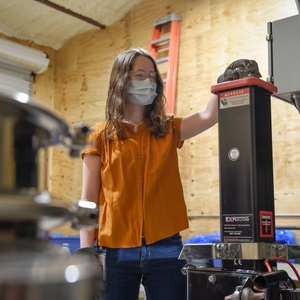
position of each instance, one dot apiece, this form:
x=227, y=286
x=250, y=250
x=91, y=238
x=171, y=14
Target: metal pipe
x=202, y=216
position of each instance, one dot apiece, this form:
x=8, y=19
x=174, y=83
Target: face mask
x=142, y=93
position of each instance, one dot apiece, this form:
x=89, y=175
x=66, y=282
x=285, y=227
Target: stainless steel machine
x=248, y=249
x=30, y=267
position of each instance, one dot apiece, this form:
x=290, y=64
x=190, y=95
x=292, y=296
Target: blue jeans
x=156, y=266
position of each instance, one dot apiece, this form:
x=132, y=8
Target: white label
x=235, y=98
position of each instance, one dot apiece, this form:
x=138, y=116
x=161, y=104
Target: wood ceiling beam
x=71, y=13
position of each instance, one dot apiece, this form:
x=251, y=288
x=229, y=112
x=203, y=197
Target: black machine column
x=246, y=165
x=245, y=157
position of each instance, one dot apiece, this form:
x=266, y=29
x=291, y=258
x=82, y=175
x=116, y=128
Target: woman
x=131, y=171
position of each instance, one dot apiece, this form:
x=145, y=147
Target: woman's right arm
x=91, y=183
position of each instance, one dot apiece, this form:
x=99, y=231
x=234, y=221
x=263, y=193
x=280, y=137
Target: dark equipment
x=248, y=249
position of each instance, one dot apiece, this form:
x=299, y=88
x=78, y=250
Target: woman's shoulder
x=98, y=126
x=96, y=129
x=174, y=120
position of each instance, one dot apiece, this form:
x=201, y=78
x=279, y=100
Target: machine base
x=215, y=283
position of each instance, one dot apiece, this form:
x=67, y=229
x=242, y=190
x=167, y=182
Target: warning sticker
x=235, y=98
x=266, y=224
x=237, y=228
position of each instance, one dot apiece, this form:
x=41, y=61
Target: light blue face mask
x=142, y=92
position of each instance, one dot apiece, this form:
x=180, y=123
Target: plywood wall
x=213, y=34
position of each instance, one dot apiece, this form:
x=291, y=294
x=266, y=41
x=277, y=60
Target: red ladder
x=169, y=43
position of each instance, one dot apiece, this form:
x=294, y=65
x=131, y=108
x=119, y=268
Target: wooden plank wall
x=213, y=34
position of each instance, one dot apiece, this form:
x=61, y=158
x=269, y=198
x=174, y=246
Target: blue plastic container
x=69, y=243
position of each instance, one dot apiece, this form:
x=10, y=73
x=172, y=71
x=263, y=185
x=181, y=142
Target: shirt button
x=139, y=157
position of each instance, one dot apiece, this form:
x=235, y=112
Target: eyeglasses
x=142, y=75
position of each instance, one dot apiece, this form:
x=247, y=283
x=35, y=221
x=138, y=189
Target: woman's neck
x=134, y=114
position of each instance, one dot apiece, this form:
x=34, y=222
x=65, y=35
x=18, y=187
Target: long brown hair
x=155, y=115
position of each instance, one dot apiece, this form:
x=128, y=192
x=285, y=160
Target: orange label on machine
x=234, y=98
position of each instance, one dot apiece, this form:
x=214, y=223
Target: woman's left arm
x=200, y=121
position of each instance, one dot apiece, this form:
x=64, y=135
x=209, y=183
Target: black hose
x=268, y=279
